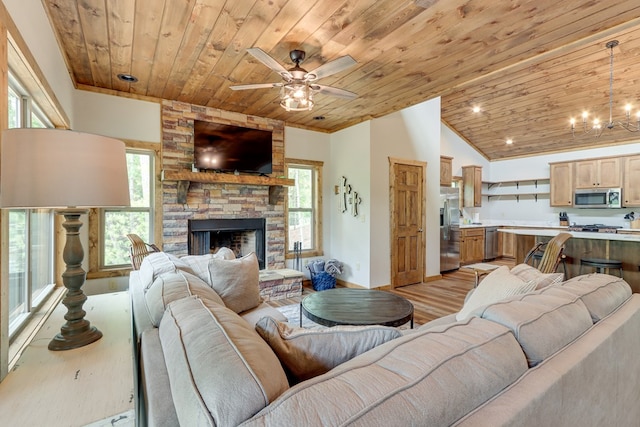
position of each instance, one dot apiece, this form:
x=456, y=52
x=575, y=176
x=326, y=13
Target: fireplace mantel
x=226, y=178
x=184, y=179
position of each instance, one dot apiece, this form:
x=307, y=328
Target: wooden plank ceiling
x=529, y=65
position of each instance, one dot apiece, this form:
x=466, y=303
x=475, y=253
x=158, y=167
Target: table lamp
x=70, y=172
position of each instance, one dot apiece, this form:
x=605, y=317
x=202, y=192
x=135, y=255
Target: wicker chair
x=139, y=250
x=549, y=254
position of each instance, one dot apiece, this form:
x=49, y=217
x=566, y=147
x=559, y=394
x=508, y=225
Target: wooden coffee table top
x=346, y=306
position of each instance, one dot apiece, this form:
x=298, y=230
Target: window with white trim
x=303, y=208
x=136, y=219
x=31, y=236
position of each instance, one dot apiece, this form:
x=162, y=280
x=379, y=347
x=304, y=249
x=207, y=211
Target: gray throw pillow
x=236, y=281
x=306, y=353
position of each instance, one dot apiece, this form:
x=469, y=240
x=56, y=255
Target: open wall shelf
x=510, y=189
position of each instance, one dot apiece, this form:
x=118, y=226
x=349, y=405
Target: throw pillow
x=200, y=263
x=497, y=285
x=236, y=281
x=306, y=353
x=532, y=274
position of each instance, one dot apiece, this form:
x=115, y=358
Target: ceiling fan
x=299, y=85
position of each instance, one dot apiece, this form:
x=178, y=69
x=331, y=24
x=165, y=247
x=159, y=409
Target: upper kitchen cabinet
x=603, y=173
x=561, y=184
x=472, y=186
x=631, y=189
x=446, y=171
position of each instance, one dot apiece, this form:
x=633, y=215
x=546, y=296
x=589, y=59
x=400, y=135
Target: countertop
x=549, y=232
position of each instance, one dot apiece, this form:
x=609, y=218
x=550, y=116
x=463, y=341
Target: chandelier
x=597, y=127
x=296, y=96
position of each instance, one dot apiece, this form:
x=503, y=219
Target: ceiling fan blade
x=334, y=91
x=267, y=60
x=256, y=86
x=332, y=67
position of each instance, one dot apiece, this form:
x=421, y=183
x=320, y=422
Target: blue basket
x=322, y=281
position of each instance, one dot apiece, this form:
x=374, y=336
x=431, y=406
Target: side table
x=88, y=386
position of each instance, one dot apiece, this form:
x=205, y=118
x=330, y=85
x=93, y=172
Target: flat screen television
x=229, y=148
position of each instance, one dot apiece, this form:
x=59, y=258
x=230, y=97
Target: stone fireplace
x=220, y=201
x=241, y=235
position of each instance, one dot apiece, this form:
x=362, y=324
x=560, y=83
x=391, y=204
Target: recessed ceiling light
x=509, y=141
x=476, y=109
x=127, y=78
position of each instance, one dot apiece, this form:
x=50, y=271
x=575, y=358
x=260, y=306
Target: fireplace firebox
x=241, y=235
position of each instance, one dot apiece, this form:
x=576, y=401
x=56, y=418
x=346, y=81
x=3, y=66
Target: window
x=303, y=209
x=31, y=237
x=137, y=219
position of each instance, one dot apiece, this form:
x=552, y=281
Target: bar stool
x=600, y=264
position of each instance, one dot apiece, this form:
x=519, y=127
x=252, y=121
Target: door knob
x=419, y=230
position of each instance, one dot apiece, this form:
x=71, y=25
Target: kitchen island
x=620, y=246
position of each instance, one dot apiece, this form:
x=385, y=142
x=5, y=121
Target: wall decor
x=347, y=197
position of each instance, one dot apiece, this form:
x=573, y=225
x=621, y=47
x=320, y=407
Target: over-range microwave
x=608, y=198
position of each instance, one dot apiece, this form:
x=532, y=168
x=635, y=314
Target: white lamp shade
x=55, y=168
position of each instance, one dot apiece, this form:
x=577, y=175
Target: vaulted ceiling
x=529, y=65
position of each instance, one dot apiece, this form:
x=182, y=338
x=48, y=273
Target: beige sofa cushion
x=542, y=323
x=220, y=371
x=427, y=378
x=306, y=353
x=533, y=275
x=236, y=281
x=168, y=287
x=157, y=263
x=602, y=294
x=498, y=284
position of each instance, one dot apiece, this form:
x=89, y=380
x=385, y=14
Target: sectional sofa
x=563, y=355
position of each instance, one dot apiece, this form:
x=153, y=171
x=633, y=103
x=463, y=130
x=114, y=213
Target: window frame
x=96, y=216
x=149, y=210
x=316, y=167
x=27, y=106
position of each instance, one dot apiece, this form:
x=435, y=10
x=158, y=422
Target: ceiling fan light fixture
x=296, y=97
x=597, y=127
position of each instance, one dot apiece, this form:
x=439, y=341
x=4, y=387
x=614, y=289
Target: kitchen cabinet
x=471, y=245
x=604, y=173
x=561, y=184
x=631, y=188
x=472, y=186
x=446, y=171
x=508, y=245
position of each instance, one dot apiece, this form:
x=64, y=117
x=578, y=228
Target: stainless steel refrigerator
x=449, y=229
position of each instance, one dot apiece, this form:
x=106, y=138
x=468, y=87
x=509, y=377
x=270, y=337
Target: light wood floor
x=430, y=300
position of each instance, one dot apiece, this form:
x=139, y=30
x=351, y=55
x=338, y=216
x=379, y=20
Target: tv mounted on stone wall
x=230, y=148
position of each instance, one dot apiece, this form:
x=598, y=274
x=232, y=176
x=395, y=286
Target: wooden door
x=407, y=222
x=561, y=183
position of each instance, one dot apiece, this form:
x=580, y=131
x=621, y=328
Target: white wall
x=412, y=134
x=350, y=237
x=116, y=116
x=33, y=24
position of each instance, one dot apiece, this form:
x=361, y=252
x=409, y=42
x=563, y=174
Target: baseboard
x=432, y=278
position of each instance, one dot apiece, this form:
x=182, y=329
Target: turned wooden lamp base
x=77, y=331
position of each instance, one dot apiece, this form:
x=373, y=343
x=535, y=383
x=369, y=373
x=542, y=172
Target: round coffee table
x=346, y=306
